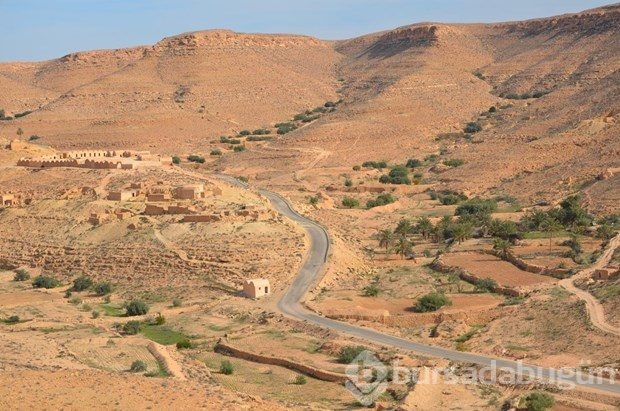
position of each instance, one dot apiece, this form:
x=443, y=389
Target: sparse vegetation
x=413, y=163
x=184, y=344
x=177, y=302
x=454, y=162
x=82, y=283
x=102, y=289
x=136, y=307
x=381, y=200
x=285, y=128
x=193, y=158
x=350, y=202
x=132, y=327
x=397, y=175
x=216, y=152
x=226, y=367
x=472, y=127
x=34, y=137
x=431, y=302
x=371, y=290
x=138, y=366
x=348, y=353
x=238, y=149
x=21, y=275
x=539, y=401
x=45, y=282
x=375, y=164
x=14, y=319
x=485, y=285
x=176, y=160
x=300, y=379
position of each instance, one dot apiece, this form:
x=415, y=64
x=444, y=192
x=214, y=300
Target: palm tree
x=404, y=227
x=503, y=246
x=424, y=226
x=550, y=226
x=462, y=232
x=386, y=238
x=403, y=246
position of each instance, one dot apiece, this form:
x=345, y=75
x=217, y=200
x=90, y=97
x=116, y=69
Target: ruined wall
x=559, y=273
x=439, y=265
x=227, y=349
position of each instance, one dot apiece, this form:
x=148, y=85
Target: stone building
x=190, y=192
x=7, y=200
x=122, y=195
x=256, y=288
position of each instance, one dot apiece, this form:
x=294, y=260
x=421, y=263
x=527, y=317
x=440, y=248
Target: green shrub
x=357, y=168
x=102, y=289
x=330, y=104
x=472, y=127
x=539, y=401
x=136, y=307
x=348, y=182
x=216, y=152
x=82, y=283
x=184, y=344
x=238, y=149
x=375, y=164
x=33, y=137
x=300, y=379
x=476, y=206
x=485, y=285
x=431, y=158
x=21, y=275
x=226, y=367
x=75, y=300
x=245, y=133
x=350, y=202
x=492, y=109
x=284, y=128
x=176, y=160
x=261, y=132
x=195, y=159
x=95, y=314
x=138, y=366
x=397, y=175
x=413, y=163
x=431, y=302
x=381, y=200
x=313, y=200
x=160, y=319
x=132, y=327
x=14, y=319
x=454, y=162
x=371, y=291
x=45, y=282
x=348, y=353
x=259, y=138
x=177, y=302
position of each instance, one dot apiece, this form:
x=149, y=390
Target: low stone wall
x=559, y=273
x=439, y=265
x=322, y=375
x=421, y=319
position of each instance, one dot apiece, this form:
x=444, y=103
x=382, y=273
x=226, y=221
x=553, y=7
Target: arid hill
x=407, y=93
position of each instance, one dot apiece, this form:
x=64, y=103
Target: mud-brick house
x=256, y=288
x=190, y=192
x=122, y=195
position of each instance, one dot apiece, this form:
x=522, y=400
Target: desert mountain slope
x=409, y=93
x=183, y=91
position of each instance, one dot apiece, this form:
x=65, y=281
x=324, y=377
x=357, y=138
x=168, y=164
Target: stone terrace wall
x=439, y=265
x=559, y=273
x=224, y=348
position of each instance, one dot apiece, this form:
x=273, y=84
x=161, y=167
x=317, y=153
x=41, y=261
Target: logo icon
x=367, y=378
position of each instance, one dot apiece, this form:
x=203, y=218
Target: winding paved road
x=290, y=304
